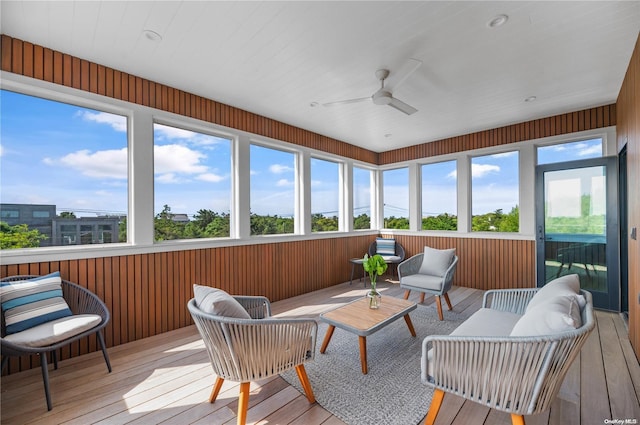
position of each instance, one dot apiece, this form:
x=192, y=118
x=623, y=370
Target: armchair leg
x=103, y=347
x=446, y=298
x=5, y=361
x=517, y=419
x=216, y=389
x=243, y=403
x=436, y=402
x=306, y=385
x=54, y=356
x=45, y=379
x=406, y=294
x=421, y=297
x=439, y=306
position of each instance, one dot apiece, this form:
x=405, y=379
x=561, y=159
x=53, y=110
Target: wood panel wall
x=147, y=294
x=588, y=119
x=482, y=263
x=24, y=58
x=628, y=132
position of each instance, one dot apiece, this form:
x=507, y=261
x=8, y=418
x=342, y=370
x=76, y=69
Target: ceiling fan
x=384, y=96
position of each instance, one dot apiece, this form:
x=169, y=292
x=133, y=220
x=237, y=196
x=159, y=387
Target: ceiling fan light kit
x=384, y=95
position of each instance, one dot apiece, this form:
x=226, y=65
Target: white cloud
x=505, y=154
x=279, y=168
x=211, y=177
x=253, y=172
x=168, y=178
x=284, y=183
x=178, y=159
x=117, y=122
x=1, y=150
x=99, y=164
x=481, y=170
x=587, y=150
x=316, y=183
x=453, y=175
x=165, y=132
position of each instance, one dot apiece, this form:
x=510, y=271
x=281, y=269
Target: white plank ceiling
x=277, y=58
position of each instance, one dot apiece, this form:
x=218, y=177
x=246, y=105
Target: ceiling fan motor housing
x=381, y=97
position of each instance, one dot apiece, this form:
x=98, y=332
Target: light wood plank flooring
x=167, y=379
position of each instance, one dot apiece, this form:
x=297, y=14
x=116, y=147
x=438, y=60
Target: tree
x=19, y=236
x=67, y=214
x=440, y=222
x=166, y=228
x=362, y=222
x=320, y=223
x=396, y=223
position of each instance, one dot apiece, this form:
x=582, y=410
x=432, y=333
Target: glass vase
x=374, y=299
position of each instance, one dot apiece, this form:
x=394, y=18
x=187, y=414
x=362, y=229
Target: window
x=495, y=193
x=192, y=184
x=58, y=156
x=571, y=151
x=396, y=198
x=325, y=195
x=9, y=214
x=439, y=196
x=272, y=191
x=361, y=198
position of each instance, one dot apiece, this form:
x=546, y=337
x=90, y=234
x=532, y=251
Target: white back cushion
x=436, y=261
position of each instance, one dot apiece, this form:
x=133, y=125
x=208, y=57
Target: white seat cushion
x=52, y=332
x=484, y=322
x=391, y=258
x=422, y=281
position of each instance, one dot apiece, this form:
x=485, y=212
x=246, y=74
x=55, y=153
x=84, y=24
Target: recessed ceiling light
x=497, y=21
x=313, y=104
x=388, y=135
x=152, y=35
x=530, y=99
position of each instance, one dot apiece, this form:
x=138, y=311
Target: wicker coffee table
x=357, y=318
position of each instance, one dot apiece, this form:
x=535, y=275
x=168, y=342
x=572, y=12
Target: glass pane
x=272, y=191
x=396, y=198
x=192, y=184
x=439, y=196
x=361, y=198
x=59, y=161
x=495, y=193
x=325, y=195
x=575, y=225
x=570, y=151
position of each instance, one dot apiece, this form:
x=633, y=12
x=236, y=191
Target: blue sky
x=76, y=158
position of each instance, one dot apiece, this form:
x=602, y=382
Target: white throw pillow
x=218, y=302
x=562, y=286
x=555, y=315
x=436, y=261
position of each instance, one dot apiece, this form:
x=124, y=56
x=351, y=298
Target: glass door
x=577, y=225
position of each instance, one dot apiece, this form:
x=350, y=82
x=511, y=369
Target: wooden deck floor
x=167, y=379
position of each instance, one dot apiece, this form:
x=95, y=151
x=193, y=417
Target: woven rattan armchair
x=412, y=280
x=520, y=375
x=80, y=301
x=245, y=350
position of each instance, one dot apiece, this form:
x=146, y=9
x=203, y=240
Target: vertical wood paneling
x=599, y=117
x=35, y=61
x=628, y=133
x=483, y=263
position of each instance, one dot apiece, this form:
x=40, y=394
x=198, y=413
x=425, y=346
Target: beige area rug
x=392, y=392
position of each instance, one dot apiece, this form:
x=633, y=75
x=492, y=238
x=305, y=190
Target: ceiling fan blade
x=395, y=79
x=401, y=106
x=345, y=102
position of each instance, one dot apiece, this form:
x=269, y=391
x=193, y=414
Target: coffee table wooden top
x=358, y=318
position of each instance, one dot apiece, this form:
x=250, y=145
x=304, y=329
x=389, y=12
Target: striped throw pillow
x=32, y=302
x=385, y=246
